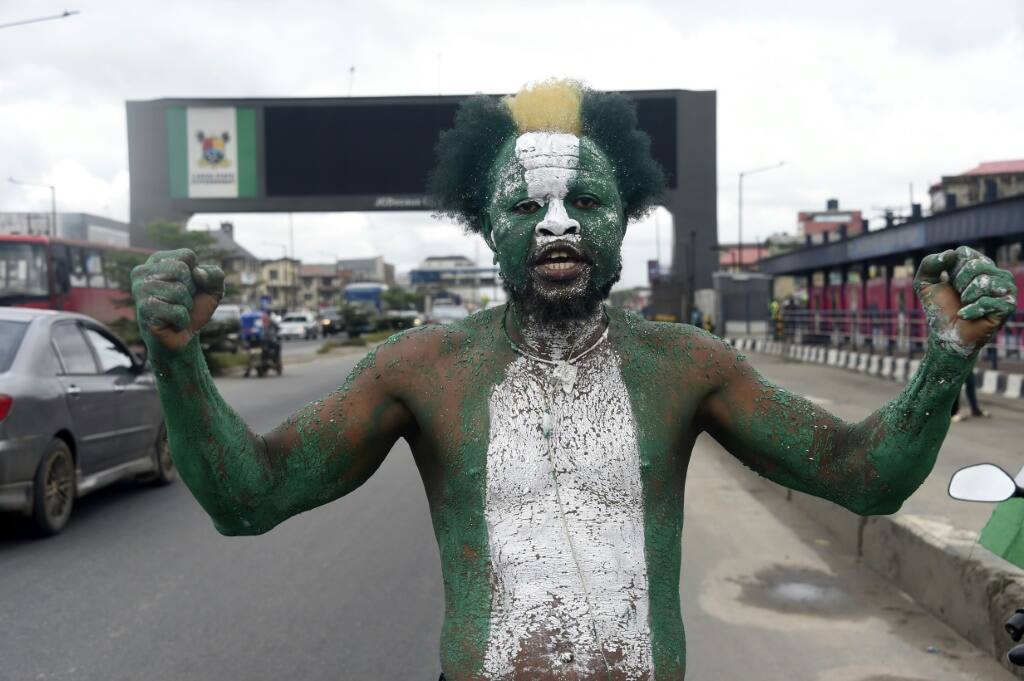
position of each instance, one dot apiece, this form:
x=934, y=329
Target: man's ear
x=485, y=231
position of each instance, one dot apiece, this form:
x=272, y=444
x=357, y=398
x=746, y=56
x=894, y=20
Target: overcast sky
x=860, y=99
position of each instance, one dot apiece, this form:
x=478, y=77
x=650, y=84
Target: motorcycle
x=259, y=333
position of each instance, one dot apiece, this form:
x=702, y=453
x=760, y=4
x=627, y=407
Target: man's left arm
x=869, y=467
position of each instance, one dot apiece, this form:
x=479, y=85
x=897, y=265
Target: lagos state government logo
x=213, y=150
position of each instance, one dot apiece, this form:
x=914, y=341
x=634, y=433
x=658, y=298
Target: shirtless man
x=553, y=434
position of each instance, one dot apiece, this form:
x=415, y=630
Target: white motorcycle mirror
x=982, y=482
x=1019, y=479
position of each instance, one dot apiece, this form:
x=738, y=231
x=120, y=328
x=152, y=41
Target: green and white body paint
x=550, y=162
x=565, y=522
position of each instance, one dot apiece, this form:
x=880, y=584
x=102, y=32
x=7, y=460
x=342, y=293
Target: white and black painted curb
x=941, y=567
x=989, y=381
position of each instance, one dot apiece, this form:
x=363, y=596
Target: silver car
x=78, y=411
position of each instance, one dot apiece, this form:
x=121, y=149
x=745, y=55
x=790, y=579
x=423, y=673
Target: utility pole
x=53, y=201
x=743, y=174
x=291, y=237
x=657, y=238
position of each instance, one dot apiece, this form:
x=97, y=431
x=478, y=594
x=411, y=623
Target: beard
x=550, y=303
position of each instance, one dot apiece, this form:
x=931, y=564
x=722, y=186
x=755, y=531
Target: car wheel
x=54, y=489
x=164, y=472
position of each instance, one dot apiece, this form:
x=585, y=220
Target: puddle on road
x=799, y=591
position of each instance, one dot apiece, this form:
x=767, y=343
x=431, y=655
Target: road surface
x=140, y=586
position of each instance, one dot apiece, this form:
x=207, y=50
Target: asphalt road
x=295, y=348
x=140, y=586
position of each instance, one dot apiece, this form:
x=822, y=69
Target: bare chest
x=564, y=511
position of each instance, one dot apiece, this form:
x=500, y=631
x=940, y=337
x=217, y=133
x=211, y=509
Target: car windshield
x=450, y=312
x=22, y=270
x=11, y=334
x=295, y=318
x=222, y=314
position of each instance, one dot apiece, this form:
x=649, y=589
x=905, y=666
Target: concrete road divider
x=990, y=382
x=900, y=369
x=888, y=367
x=1014, y=383
x=896, y=368
x=862, y=362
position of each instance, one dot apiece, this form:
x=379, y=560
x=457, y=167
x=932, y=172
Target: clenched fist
x=175, y=297
x=970, y=303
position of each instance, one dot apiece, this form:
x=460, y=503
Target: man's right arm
x=249, y=483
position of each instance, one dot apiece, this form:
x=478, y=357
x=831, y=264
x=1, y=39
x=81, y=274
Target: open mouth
x=560, y=262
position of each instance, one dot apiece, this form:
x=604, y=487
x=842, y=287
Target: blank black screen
x=374, y=149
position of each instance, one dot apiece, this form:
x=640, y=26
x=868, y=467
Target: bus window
x=23, y=270
x=61, y=267
x=78, y=278
x=94, y=267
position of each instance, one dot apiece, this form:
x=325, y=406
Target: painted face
x=555, y=219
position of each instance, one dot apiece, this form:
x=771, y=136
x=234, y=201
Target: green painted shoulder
x=435, y=341
x=666, y=334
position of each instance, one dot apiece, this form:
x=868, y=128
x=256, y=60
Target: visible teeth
x=564, y=265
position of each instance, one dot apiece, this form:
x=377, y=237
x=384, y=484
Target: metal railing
x=903, y=334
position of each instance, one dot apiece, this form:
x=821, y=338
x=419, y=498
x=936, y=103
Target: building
x=77, y=226
x=280, y=282
x=321, y=285
x=457, y=277
x=368, y=269
x=733, y=258
x=831, y=224
x=872, y=275
x=989, y=181
x=242, y=269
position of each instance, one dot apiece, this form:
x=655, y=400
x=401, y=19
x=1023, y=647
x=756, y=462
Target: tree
x=118, y=265
x=397, y=298
x=169, y=236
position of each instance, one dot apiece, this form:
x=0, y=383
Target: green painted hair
x=483, y=124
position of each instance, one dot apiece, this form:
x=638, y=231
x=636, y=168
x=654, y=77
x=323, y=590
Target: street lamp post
x=743, y=174
x=53, y=201
x=739, y=246
x=63, y=15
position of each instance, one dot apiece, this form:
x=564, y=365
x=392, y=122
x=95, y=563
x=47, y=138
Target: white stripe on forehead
x=551, y=161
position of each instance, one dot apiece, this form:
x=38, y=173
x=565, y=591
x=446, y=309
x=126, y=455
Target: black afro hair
x=465, y=155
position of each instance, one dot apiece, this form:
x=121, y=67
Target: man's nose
x=556, y=221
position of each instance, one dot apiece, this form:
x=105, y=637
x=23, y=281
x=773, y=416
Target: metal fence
x=884, y=332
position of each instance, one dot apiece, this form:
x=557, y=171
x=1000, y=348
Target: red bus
x=61, y=274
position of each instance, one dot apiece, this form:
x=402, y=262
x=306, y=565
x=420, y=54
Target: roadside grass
x=329, y=345
x=378, y=336
x=218, y=362
x=357, y=342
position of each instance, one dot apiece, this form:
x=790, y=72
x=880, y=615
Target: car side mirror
x=983, y=482
x=142, y=360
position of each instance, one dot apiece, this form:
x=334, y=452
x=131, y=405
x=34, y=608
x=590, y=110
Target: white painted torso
x=538, y=599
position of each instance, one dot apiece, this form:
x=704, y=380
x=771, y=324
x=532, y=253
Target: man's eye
x=585, y=202
x=526, y=207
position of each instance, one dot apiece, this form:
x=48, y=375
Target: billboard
x=211, y=152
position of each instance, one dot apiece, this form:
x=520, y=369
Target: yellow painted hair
x=552, y=106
